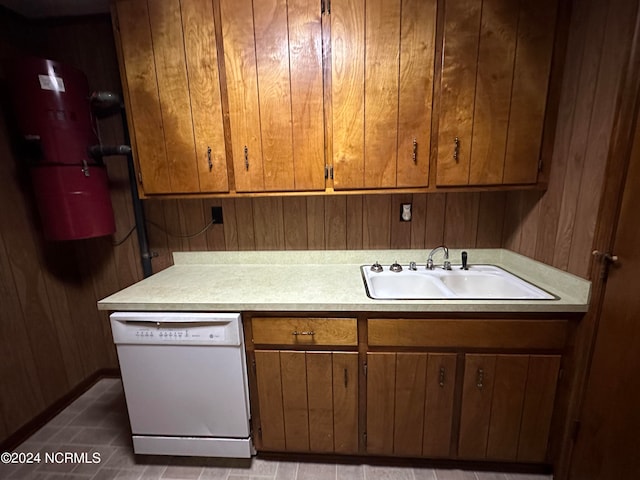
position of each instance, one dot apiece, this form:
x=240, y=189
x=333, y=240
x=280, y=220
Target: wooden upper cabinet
x=170, y=70
x=273, y=64
x=495, y=72
x=382, y=62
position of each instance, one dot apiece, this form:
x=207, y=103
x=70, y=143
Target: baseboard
x=28, y=429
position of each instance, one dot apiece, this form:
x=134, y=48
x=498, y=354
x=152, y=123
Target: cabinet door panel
x=382, y=55
x=506, y=406
x=307, y=108
x=319, y=390
x=381, y=379
x=242, y=89
x=173, y=89
x=294, y=400
x=417, y=50
x=272, y=59
x=495, y=74
x=476, y=405
x=530, y=81
x=345, y=402
x=145, y=114
x=411, y=374
x=496, y=55
x=537, y=410
x=410, y=403
x=510, y=417
x=269, y=382
x=204, y=88
x=439, y=400
x=459, y=67
x=382, y=130
x=347, y=87
x=308, y=401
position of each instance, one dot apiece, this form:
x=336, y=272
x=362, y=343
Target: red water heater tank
x=53, y=112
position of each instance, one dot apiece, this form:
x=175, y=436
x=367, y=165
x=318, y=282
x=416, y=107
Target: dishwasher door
x=184, y=375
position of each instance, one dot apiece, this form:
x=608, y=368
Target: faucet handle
x=464, y=261
x=446, y=265
x=395, y=267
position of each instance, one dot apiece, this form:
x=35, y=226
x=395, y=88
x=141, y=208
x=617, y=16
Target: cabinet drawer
x=472, y=333
x=304, y=331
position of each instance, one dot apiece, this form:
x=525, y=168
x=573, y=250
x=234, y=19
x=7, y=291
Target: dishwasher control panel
x=205, y=333
x=146, y=328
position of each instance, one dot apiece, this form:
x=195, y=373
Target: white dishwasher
x=185, y=382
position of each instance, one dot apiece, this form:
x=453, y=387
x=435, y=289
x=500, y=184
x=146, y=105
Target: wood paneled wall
x=558, y=228
x=327, y=222
x=51, y=335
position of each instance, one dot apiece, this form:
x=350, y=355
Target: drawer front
x=472, y=333
x=304, y=331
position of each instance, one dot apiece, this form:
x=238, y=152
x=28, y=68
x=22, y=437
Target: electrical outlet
x=216, y=215
x=405, y=212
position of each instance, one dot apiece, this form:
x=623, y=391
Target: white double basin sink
x=479, y=282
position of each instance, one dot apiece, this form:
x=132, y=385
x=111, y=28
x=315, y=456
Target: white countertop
x=328, y=280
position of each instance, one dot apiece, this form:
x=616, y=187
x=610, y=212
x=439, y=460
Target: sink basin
x=406, y=285
x=478, y=283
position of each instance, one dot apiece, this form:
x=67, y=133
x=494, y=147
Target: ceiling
x=56, y=8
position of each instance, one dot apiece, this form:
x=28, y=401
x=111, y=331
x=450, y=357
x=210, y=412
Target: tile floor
x=96, y=423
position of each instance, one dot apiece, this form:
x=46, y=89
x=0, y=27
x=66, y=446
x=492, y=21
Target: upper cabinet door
x=168, y=71
x=204, y=88
x=495, y=74
x=273, y=62
x=382, y=57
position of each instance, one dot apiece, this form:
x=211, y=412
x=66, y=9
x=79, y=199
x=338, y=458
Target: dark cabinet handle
x=414, y=155
x=456, y=148
x=480, y=379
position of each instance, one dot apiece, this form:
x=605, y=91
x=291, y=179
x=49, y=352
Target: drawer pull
x=296, y=333
x=442, y=376
x=480, y=378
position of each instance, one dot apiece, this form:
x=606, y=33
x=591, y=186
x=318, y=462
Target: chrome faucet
x=446, y=265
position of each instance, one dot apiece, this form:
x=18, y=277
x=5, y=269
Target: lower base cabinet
x=410, y=403
x=463, y=389
x=308, y=401
x=505, y=411
x=507, y=404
